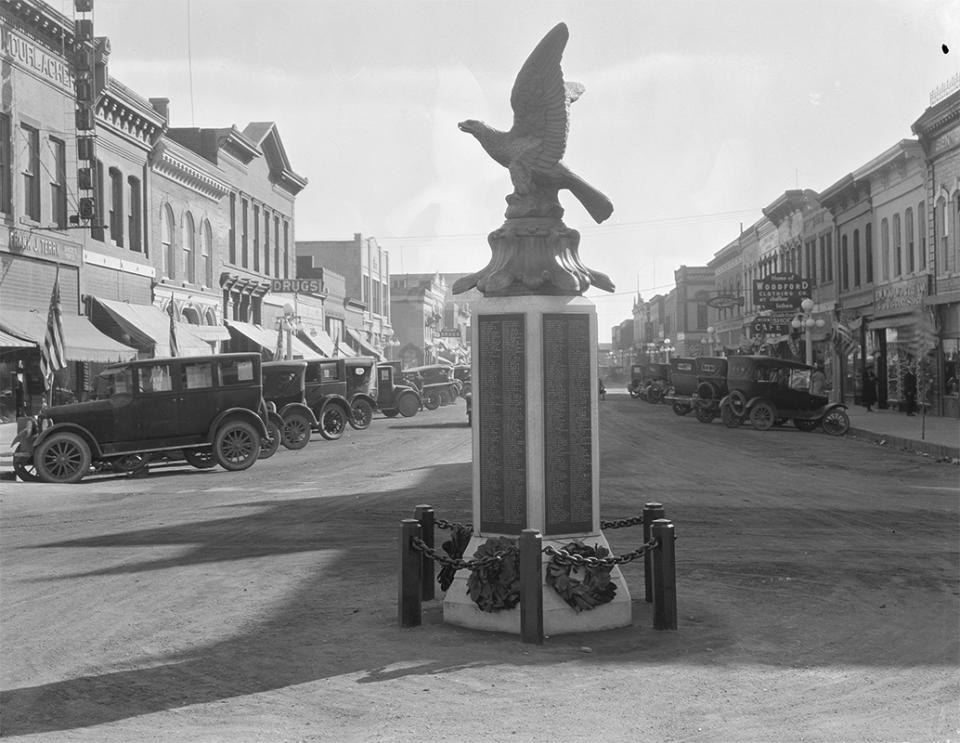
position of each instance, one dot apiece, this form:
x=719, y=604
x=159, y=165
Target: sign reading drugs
x=304, y=286
x=780, y=291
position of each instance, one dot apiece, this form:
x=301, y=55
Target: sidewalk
x=931, y=435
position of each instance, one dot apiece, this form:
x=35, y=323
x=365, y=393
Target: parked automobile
x=284, y=386
x=360, y=390
x=438, y=386
x=462, y=373
x=711, y=374
x=682, y=384
x=393, y=397
x=208, y=409
x=649, y=381
x=765, y=390
x=326, y=395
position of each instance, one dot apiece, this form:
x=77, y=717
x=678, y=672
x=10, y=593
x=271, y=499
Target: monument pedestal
x=536, y=447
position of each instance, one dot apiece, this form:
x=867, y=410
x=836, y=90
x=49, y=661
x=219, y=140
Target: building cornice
x=166, y=162
x=119, y=109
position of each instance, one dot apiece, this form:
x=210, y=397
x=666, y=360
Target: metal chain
x=621, y=523
x=444, y=524
x=456, y=563
x=563, y=557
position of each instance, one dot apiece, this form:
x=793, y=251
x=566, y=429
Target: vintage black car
x=360, y=390
x=462, y=373
x=682, y=385
x=711, y=374
x=766, y=390
x=438, y=386
x=284, y=386
x=393, y=397
x=207, y=409
x=649, y=381
x=327, y=396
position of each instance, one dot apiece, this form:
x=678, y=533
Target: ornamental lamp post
x=712, y=339
x=804, y=319
x=667, y=347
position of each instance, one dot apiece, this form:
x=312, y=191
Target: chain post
x=651, y=512
x=531, y=586
x=408, y=591
x=664, y=576
x=425, y=515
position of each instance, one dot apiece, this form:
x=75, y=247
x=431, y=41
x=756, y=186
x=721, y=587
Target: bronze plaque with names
x=501, y=388
x=567, y=424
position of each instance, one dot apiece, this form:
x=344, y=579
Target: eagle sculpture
x=533, y=148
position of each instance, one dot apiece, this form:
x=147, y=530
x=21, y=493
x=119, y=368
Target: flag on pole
x=174, y=346
x=843, y=340
x=52, y=355
x=336, y=344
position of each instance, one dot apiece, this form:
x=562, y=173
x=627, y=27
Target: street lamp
x=712, y=339
x=805, y=319
x=667, y=347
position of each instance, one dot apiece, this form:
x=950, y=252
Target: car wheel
x=680, y=409
x=738, y=402
x=431, y=401
x=390, y=412
x=63, y=458
x=269, y=445
x=805, y=424
x=762, y=416
x=236, y=445
x=836, y=422
x=26, y=472
x=296, y=431
x=706, y=393
x=361, y=414
x=408, y=404
x=202, y=459
x=705, y=414
x=333, y=421
x=730, y=419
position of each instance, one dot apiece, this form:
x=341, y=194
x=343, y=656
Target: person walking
x=910, y=391
x=869, y=395
x=818, y=381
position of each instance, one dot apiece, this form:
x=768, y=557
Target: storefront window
x=951, y=372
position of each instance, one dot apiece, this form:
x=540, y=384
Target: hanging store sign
x=899, y=297
x=303, y=286
x=723, y=301
x=781, y=291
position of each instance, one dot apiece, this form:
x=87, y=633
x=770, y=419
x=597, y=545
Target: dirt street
x=817, y=583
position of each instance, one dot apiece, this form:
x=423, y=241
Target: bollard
x=408, y=599
x=531, y=586
x=651, y=512
x=424, y=514
x=664, y=576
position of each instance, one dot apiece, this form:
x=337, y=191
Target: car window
x=155, y=378
x=234, y=372
x=800, y=379
x=197, y=376
x=112, y=382
x=280, y=383
x=328, y=372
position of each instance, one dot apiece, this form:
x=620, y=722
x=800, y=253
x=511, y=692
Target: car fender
x=250, y=416
x=298, y=407
x=832, y=406
x=95, y=450
x=335, y=399
x=364, y=396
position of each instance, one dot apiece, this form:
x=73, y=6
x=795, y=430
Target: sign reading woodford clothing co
x=899, y=297
x=303, y=286
x=780, y=291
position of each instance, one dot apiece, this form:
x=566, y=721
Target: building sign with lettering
x=33, y=57
x=34, y=245
x=781, y=291
x=899, y=297
x=303, y=286
x=723, y=301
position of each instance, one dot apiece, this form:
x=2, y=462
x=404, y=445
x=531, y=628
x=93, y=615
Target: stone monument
x=534, y=350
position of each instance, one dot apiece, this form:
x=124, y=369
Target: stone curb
x=937, y=451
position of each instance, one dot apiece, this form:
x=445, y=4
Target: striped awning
x=11, y=341
x=83, y=342
x=148, y=327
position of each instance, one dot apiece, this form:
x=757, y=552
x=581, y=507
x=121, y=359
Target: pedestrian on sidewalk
x=869, y=395
x=910, y=391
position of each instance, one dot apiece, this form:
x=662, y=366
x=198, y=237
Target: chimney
x=162, y=107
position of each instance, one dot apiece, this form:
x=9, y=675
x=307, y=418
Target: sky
x=695, y=115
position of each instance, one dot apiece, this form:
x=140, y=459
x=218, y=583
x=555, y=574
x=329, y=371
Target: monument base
x=558, y=617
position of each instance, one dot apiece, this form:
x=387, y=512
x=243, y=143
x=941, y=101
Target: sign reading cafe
x=781, y=291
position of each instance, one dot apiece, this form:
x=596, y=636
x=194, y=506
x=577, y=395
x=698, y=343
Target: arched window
x=189, y=249
x=908, y=229
x=922, y=221
x=885, y=248
x=897, y=246
x=207, y=252
x=856, y=257
x=166, y=240
x=943, y=248
x=116, y=207
x=868, y=251
x=844, y=264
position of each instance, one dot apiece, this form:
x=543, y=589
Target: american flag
x=52, y=355
x=843, y=340
x=174, y=346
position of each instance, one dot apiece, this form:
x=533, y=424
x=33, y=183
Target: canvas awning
x=11, y=341
x=209, y=333
x=314, y=335
x=83, y=342
x=149, y=328
x=267, y=339
x=363, y=346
